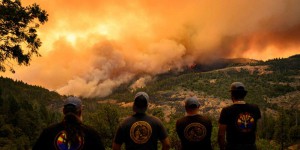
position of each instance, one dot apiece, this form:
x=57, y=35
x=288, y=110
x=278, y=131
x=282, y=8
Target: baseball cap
x=73, y=101
x=237, y=86
x=140, y=103
x=192, y=102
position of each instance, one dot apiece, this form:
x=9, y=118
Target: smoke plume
x=92, y=47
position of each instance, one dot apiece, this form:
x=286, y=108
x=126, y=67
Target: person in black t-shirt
x=141, y=131
x=194, y=130
x=238, y=122
x=71, y=133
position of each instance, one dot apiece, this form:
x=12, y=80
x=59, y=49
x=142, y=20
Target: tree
x=18, y=32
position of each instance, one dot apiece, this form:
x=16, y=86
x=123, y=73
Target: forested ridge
x=24, y=111
x=274, y=85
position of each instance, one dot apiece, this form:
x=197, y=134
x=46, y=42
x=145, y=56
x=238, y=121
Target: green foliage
x=18, y=31
x=266, y=126
x=24, y=113
x=289, y=66
x=294, y=133
x=264, y=144
x=105, y=118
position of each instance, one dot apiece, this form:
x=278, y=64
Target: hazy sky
x=91, y=47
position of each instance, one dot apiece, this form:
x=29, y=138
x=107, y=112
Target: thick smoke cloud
x=92, y=47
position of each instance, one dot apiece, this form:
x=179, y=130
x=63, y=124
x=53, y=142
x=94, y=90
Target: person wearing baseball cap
x=238, y=122
x=70, y=133
x=141, y=131
x=194, y=130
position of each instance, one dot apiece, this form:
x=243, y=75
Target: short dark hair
x=69, y=108
x=238, y=94
x=193, y=106
x=140, y=104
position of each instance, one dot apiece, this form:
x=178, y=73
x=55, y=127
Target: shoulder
x=227, y=108
x=90, y=131
x=255, y=109
x=205, y=118
x=52, y=128
x=182, y=119
x=253, y=105
x=127, y=120
x=88, y=128
x=153, y=119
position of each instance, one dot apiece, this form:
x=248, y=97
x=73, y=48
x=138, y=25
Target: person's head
x=192, y=105
x=72, y=105
x=73, y=119
x=238, y=91
x=140, y=103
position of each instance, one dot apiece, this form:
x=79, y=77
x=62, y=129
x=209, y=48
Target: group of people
x=237, y=127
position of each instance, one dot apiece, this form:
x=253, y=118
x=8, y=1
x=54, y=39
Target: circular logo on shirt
x=245, y=122
x=140, y=132
x=195, y=132
x=62, y=143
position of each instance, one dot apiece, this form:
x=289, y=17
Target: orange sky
x=91, y=47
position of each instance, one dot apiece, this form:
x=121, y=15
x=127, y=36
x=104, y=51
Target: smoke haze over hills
x=91, y=47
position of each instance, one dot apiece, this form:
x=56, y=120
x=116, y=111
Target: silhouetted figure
x=141, y=131
x=238, y=121
x=194, y=130
x=71, y=133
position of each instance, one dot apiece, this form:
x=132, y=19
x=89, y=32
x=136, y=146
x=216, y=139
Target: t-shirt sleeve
x=40, y=143
x=258, y=113
x=162, y=132
x=98, y=141
x=119, y=138
x=223, y=117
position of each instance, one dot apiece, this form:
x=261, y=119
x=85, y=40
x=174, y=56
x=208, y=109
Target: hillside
x=24, y=92
x=24, y=111
x=274, y=85
x=264, y=81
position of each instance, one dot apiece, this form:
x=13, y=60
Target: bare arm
x=221, y=136
x=116, y=146
x=165, y=144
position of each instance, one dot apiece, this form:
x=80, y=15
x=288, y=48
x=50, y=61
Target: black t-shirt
x=140, y=132
x=241, y=121
x=54, y=138
x=194, y=132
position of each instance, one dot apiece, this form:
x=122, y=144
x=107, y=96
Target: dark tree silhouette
x=18, y=32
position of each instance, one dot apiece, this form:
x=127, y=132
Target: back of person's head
x=72, y=122
x=238, y=91
x=140, y=103
x=72, y=105
x=191, y=103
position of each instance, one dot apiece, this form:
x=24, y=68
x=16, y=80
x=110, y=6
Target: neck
x=192, y=112
x=238, y=102
x=140, y=113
